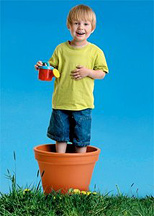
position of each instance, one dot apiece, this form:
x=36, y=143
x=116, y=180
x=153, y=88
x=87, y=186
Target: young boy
x=79, y=63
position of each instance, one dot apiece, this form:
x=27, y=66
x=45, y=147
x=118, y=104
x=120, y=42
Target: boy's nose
x=80, y=26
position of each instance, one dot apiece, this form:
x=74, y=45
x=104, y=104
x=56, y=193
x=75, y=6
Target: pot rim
x=38, y=151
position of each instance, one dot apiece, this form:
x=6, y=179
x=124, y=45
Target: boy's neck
x=78, y=43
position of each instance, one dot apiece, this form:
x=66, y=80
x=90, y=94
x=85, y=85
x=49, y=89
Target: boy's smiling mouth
x=80, y=33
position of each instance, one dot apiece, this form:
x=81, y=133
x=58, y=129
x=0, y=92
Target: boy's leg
x=81, y=130
x=59, y=129
x=61, y=147
x=80, y=149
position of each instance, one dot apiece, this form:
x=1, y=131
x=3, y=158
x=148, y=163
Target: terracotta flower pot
x=62, y=171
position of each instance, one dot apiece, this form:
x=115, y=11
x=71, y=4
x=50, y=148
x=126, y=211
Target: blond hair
x=81, y=12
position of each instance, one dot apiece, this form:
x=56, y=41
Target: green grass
x=32, y=201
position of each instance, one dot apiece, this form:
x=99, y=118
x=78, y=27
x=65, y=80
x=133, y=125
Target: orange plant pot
x=62, y=171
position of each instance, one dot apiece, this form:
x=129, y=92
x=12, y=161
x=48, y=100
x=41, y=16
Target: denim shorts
x=71, y=126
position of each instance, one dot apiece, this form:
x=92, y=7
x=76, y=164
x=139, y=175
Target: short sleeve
x=54, y=59
x=100, y=62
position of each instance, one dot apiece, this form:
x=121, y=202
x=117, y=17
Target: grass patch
x=34, y=202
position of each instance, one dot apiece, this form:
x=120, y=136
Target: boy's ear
x=68, y=26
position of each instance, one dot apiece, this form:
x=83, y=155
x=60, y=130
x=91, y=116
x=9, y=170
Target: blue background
x=122, y=124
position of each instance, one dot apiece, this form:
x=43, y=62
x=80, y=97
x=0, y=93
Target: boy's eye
x=86, y=24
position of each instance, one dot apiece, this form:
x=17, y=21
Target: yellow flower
x=54, y=197
x=70, y=190
x=88, y=193
x=26, y=191
x=94, y=193
x=83, y=192
x=76, y=191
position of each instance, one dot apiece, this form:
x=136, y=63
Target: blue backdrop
x=122, y=118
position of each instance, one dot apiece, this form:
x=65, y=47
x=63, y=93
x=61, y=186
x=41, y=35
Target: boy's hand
x=39, y=63
x=79, y=73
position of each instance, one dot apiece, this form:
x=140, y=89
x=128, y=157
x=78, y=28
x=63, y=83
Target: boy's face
x=80, y=30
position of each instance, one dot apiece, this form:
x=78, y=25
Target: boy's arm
x=96, y=74
x=82, y=72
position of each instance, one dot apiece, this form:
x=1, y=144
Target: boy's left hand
x=80, y=72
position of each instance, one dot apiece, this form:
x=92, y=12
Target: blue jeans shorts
x=71, y=126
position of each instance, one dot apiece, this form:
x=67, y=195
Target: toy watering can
x=47, y=72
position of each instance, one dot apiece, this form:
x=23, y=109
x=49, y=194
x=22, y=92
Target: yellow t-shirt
x=70, y=94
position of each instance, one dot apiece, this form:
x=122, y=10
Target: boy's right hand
x=39, y=63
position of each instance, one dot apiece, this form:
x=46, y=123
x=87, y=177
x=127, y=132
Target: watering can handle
x=46, y=63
